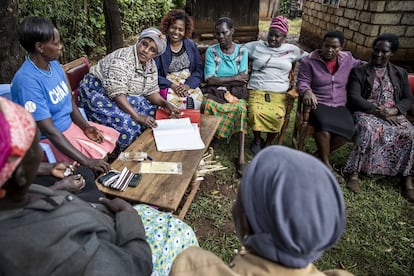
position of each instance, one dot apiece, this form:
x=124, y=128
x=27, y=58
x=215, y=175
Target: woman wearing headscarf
x=286, y=215
x=180, y=69
x=379, y=95
x=322, y=79
x=225, y=71
x=122, y=91
x=40, y=86
x=48, y=232
x=272, y=61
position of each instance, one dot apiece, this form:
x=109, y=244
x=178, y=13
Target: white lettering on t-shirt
x=59, y=92
x=30, y=106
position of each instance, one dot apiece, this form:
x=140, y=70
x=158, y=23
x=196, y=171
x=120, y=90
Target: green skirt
x=233, y=116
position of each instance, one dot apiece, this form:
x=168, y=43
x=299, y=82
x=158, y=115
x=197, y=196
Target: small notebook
x=177, y=134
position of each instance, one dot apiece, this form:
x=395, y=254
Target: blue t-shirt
x=44, y=94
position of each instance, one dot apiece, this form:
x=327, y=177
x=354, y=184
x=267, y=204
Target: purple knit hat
x=280, y=23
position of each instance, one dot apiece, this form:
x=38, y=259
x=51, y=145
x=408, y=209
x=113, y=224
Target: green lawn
x=379, y=237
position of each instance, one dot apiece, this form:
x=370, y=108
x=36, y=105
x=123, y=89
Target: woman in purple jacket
x=180, y=69
x=322, y=80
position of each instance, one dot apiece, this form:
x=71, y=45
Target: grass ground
x=379, y=237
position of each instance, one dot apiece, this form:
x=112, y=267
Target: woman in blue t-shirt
x=40, y=86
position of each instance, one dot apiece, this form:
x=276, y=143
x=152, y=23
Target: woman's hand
x=116, y=205
x=93, y=134
x=394, y=120
x=180, y=89
x=73, y=183
x=147, y=121
x=63, y=169
x=385, y=112
x=98, y=165
x=242, y=77
x=310, y=99
x=173, y=110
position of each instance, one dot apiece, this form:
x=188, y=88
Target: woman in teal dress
x=226, y=75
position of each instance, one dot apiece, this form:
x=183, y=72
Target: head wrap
x=17, y=132
x=294, y=206
x=157, y=37
x=280, y=23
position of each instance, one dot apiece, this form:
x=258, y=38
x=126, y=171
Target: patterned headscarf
x=17, y=132
x=294, y=206
x=156, y=35
x=280, y=23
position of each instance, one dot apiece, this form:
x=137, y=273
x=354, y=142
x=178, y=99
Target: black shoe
x=256, y=147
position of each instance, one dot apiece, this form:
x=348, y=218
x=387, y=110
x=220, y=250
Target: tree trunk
x=273, y=8
x=113, y=36
x=11, y=54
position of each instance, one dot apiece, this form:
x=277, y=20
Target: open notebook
x=177, y=134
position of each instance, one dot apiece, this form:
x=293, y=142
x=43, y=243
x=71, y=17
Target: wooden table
x=165, y=190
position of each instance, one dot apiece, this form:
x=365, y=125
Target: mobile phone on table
x=108, y=178
x=267, y=97
x=135, y=180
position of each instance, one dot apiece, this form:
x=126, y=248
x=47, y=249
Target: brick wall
x=361, y=21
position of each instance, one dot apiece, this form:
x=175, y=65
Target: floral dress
x=381, y=148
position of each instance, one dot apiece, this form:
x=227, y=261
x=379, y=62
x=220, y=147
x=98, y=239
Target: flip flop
x=239, y=167
x=353, y=185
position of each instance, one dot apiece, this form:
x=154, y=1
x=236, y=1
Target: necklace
x=45, y=73
x=174, y=48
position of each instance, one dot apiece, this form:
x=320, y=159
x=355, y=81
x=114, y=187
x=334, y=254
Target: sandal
x=353, y=184
x=239, y=167
x=408, y=194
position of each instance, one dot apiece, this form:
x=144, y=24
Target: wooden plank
x=164, y=190
x=195, y=185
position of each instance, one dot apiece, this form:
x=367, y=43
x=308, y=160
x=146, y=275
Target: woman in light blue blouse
x=226, y=75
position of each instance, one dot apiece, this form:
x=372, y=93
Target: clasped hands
x=389, y=114
x=180, y=89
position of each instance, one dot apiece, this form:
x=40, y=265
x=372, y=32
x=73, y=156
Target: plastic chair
x=5, y=91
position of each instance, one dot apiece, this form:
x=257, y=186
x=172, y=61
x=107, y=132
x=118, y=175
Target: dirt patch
x=206, y=227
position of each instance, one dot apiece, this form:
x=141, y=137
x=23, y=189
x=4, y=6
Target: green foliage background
x=81, y=23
